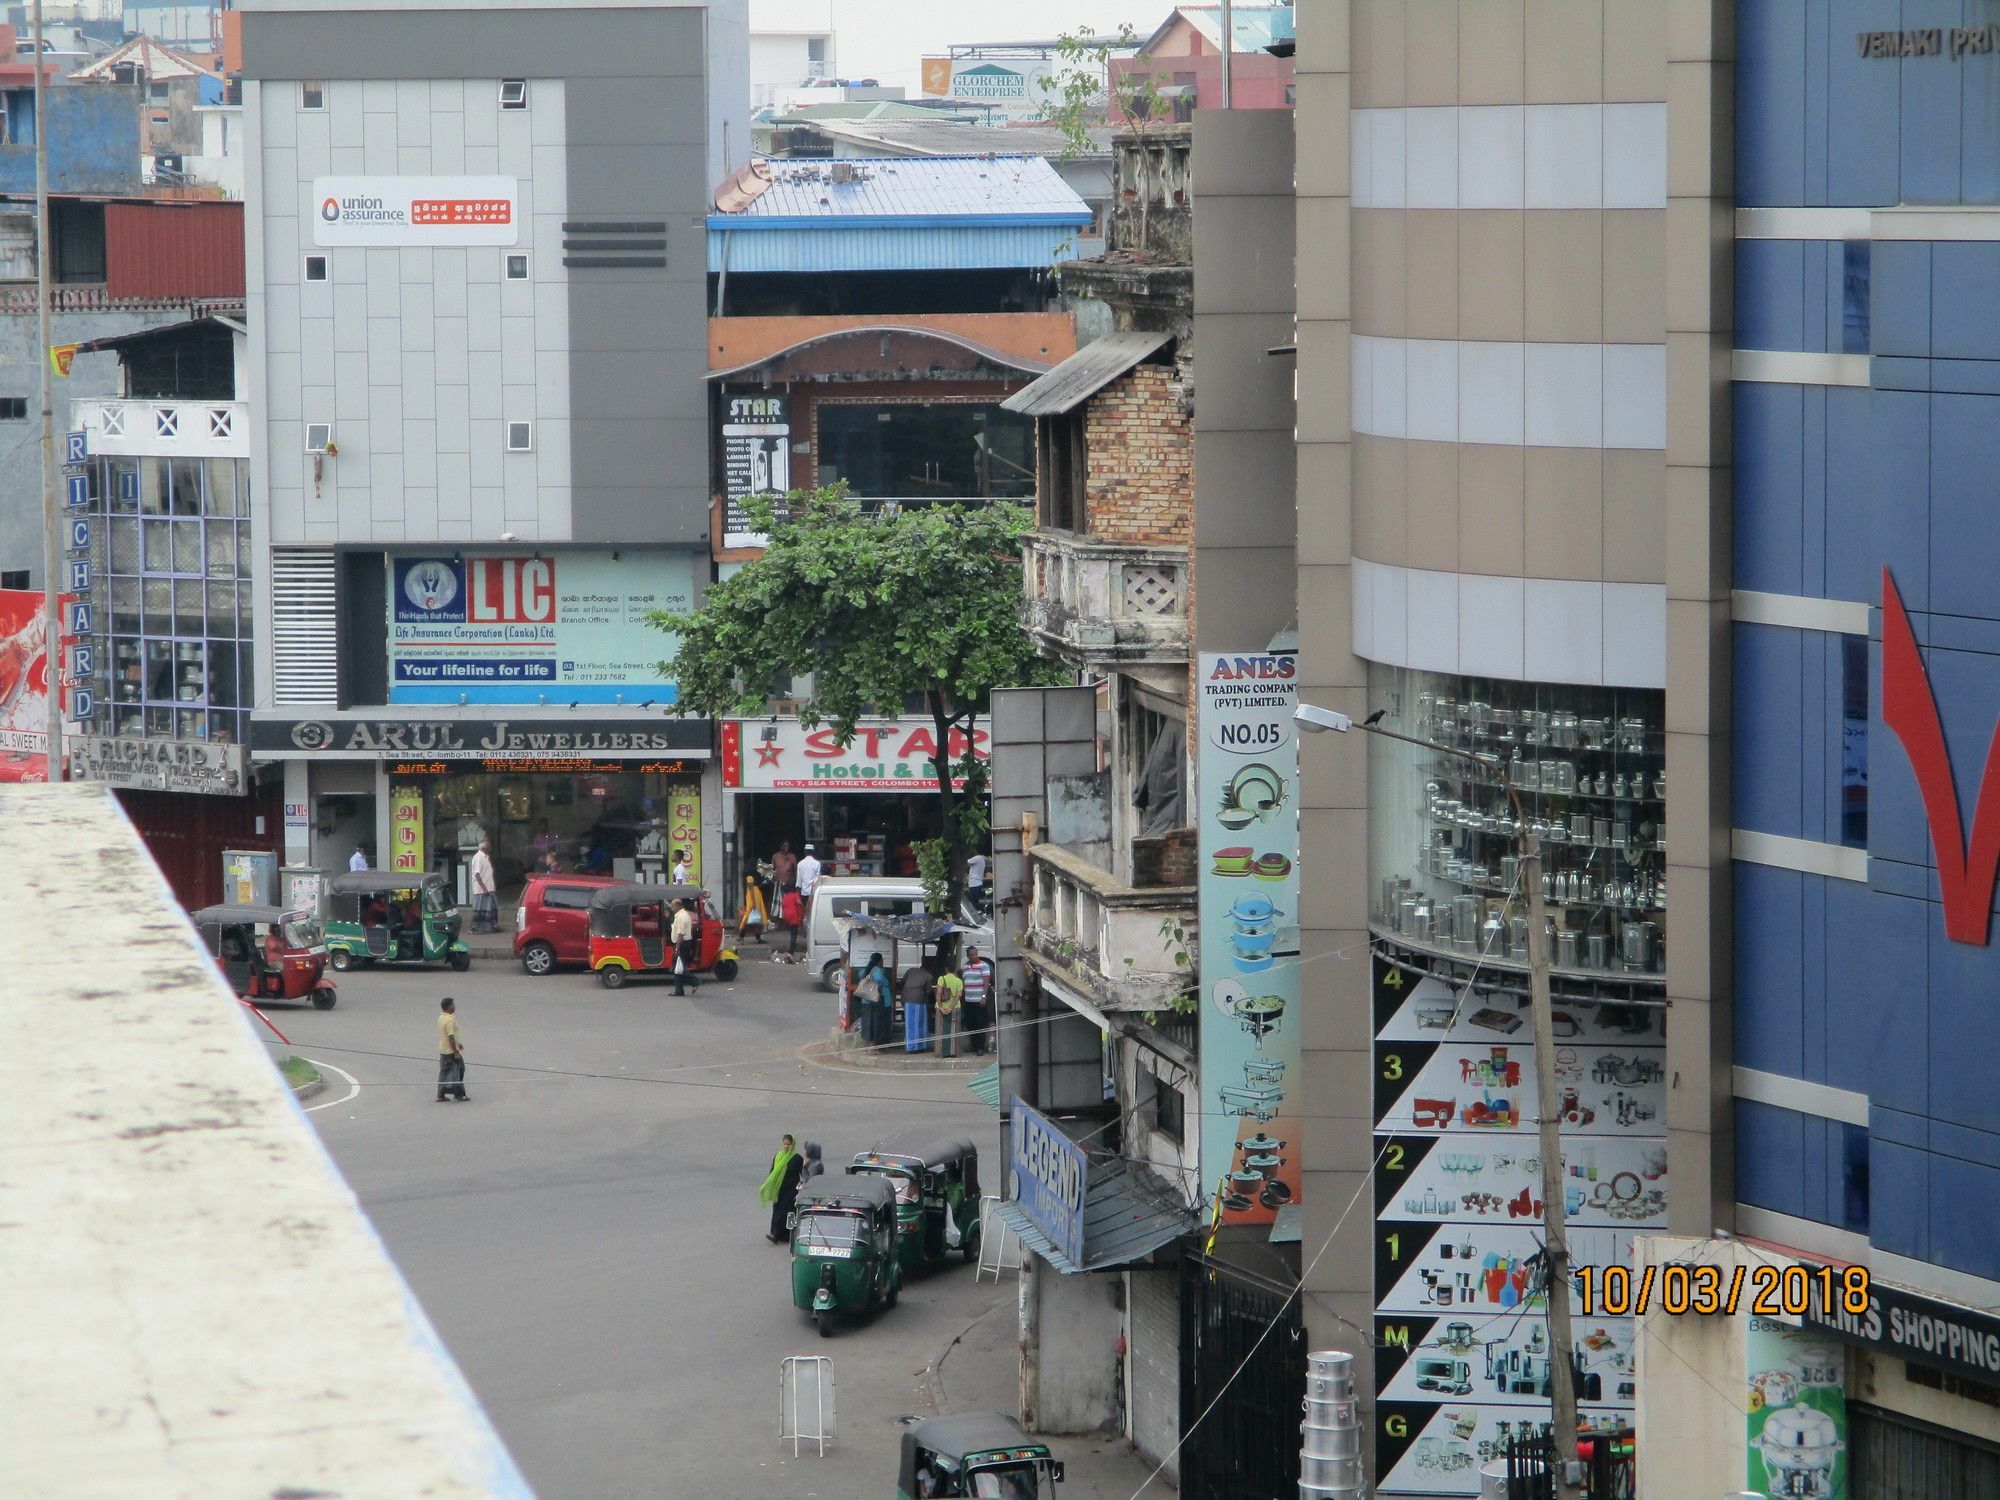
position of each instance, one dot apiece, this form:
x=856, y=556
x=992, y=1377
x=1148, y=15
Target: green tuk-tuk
x=936, y=1181
x=381, y=917
x=844, y=1248
x=981, y=1455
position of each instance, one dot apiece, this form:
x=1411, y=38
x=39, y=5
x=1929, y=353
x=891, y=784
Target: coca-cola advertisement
x=24, y=688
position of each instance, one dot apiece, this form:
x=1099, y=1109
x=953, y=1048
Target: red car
x=552, y=923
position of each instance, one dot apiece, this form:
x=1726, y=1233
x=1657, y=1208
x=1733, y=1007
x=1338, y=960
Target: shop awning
x=1126, y=1217
x=986, y=1084
x=1084, y=373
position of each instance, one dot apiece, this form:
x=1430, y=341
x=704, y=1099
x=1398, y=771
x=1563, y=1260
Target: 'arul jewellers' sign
x=477, y=739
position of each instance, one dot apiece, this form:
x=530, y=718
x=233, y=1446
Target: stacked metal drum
x=1330, y=1436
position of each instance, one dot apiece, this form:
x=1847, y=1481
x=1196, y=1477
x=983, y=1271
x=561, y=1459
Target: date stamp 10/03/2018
x=1764, y=1291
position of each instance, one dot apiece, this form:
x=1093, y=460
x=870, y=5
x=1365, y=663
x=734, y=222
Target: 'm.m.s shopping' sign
x=1049, y=1174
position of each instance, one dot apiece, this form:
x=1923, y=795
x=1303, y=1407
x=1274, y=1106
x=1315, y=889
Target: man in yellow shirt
x=950, y=996
x=685, y=956
x=451, y=1054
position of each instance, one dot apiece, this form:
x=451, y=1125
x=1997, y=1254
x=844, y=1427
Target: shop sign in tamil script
x=406, y=829
x=893, y=755
x=756, y=460
x=416, y=211
x=1247, y=826
x=560, y=628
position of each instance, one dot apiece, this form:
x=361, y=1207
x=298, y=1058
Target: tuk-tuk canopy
x=916, y=1148
x=918, y=927
x=611, y=905
x=227, y=915
x=856, y=1194
x=974, y=1433
x=380, y=882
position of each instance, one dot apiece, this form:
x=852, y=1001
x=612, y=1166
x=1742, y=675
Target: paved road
x=586, y=1234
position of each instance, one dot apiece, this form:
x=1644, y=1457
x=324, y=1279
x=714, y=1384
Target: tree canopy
x=919, y=604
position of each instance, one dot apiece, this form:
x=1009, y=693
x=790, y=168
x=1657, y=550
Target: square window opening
x=316, y=268
x=520, y=437
x=319, y=436
x=13, y=408
x=517, y=268
x=312, y=96
x=13, y=578
x=513, y=93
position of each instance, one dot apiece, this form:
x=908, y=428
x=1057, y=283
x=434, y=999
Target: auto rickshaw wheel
x=889, y=1297
x=323, y=999
x=969, y=1246
x=825, y=1321
x=725, y=969
x=460, y=962
x=611, y=976
x=341, y=959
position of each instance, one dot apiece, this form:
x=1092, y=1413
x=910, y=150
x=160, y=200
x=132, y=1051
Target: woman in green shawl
x=781, y=1188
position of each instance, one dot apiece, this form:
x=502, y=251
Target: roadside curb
x=309, y=1090
x=832, y=1054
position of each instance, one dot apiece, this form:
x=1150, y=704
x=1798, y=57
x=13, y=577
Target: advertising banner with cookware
x=1462, y=1345
x=1248, y=898
x=1797, y=1407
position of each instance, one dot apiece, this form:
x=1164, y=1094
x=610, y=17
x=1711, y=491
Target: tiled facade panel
x=1817, y=124
x=418, y=356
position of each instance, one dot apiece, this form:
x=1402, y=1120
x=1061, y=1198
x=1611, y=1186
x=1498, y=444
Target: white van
x=838, y=896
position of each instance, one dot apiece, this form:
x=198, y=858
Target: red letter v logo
x=1909, y=708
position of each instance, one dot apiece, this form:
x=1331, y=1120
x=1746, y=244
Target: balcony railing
x=1124, y=948
x=1098, y=602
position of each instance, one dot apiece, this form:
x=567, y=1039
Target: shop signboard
x=1461, y=1332
x=416, y=211
x=1248, y=900
x=756, y=460
x=684, y=827
x=1797, y=1405
x=1050, y=1173
x=463, y=737
x=406, y=829
x=554, y=628
x=24, y=687
x=157, y=765
x=882, y=755
x=1016, y=87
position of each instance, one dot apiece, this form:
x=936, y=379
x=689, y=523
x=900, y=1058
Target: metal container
x=1465, y=922
x=1565, y=776
x=1329, y=1442
x=1599, y=951
x=1579, y=828
x=1600, y=832
x=1510, y=871
x=1566, y=950
x=1636, y=945
x=1517, y=938
x=1618, y=785
x=1406, y=916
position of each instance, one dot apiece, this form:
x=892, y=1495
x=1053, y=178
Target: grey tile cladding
x=609, y=364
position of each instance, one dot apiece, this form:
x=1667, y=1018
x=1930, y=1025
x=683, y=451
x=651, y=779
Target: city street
x=586, y=1234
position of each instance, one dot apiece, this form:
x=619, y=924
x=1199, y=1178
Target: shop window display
x=612, y=823
x=1589, y=767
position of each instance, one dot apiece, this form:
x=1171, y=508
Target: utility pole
x=1228, y=49
x=52, y=536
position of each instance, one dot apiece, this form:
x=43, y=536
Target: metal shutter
x=305, y=653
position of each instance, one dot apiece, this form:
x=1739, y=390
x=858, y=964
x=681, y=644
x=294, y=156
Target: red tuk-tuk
x=267, y=952
x=630, y=927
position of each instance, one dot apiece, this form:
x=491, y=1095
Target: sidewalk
x=981, y=1372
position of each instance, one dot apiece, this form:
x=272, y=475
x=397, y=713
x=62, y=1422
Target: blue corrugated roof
x=927, y=192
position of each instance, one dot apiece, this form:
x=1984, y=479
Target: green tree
x=1083, y=91
x=882, y=608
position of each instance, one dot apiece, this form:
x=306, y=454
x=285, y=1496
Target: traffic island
x=305, y=1079
x=845, y=1049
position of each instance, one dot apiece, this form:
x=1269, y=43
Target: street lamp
x=1562, y=1389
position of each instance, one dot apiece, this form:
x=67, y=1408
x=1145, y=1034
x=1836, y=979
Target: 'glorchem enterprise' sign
x=416, y=210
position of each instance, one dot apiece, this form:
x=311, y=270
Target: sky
x=884, y=38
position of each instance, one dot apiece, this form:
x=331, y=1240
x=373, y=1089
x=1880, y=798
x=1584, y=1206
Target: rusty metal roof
x=1084, y=374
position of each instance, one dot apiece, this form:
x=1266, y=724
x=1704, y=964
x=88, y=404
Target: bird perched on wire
x=1374, y=718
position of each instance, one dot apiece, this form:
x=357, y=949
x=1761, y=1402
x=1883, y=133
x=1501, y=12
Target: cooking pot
x=1260, y=1142
x=1252, y=944
x=1246, y=1181
x=1254, y=909
x=1254, y=965
x=1256, y=929
x=1274, y=1193
x=1268, y=1163
x=1264, y=1070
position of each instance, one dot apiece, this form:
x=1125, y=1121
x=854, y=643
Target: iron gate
x=1247, y=1448
x=1893, y=1457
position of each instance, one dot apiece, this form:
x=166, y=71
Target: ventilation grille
x=615, y=245
x=305, y=654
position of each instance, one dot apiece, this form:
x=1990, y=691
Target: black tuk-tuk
x=936, y=1179
x=981, y=1455
x=844, y=1248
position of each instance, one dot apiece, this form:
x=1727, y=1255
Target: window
x=520, y=437
x=13, y=408
x=316, y=268
x=1168, y=1111
x=567, y=897
x=1854, y=741
x=159, y=90
x=312, y=96
x=517, y=268
x=513, y=93
x=1157, y=746
x=14, y=578
x=76, y=235
x=1853, y=1177
x=319, y=436
x=913, y=452
x=1063, y=470
x=1854, y=297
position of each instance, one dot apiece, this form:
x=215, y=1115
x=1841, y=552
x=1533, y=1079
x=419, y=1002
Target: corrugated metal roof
x=1254, y=27
x=986, y=1084
x=1084, y=374
x=947, y=137
x=1126, y=1216
x=910, y=193
x=888, y=247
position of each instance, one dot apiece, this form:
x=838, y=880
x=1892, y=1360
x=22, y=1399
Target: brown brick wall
x=1140, y=485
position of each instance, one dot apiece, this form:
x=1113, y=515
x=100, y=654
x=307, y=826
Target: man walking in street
x=451, y=1054
x=684, y=955
x=978, y=976
x=950, y=996
x=683, y=872
x=808, y=875
x=485, y=901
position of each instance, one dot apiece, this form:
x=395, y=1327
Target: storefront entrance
x=617, y=822
x=1894, y=1457
x=1240, y=1389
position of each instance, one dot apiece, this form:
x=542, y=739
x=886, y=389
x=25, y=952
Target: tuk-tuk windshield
x=436, y=903
x=302, y=932
x=828, y=1231
x=1009, y=1482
